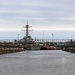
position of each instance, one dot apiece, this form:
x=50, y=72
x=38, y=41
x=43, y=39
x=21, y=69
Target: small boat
x=47, y=47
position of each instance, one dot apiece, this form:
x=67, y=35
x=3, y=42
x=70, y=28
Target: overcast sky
x=47, y=14
x=41, y=14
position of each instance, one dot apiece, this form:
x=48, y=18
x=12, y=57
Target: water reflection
x=63, y=60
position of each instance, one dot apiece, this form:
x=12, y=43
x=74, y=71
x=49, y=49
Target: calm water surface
x=38, y=63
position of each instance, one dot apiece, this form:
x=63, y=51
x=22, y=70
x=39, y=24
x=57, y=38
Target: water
x=38, y=63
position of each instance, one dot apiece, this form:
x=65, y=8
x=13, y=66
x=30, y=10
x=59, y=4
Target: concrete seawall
x=10, y=50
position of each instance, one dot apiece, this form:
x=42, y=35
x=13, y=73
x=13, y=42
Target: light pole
x=43, y=38
x=52, y=38
x=18, y=36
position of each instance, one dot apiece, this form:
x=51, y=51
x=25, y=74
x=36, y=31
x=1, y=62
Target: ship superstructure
x=29, y=43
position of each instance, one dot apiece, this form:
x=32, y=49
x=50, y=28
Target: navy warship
x=28, y=42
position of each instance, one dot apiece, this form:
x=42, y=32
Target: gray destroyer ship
x=28, y=42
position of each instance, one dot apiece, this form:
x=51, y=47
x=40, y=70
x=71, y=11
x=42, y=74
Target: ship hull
x=32, y=47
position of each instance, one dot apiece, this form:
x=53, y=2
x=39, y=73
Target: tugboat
x=47, y=47
x=29, y=43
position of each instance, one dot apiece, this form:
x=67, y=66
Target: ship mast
x=27, y=29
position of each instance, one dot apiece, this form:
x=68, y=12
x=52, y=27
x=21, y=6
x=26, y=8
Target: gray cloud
x=38, y=12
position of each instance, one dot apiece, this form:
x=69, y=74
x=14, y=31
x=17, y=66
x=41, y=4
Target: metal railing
x=39, y=40
x=53, y=40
